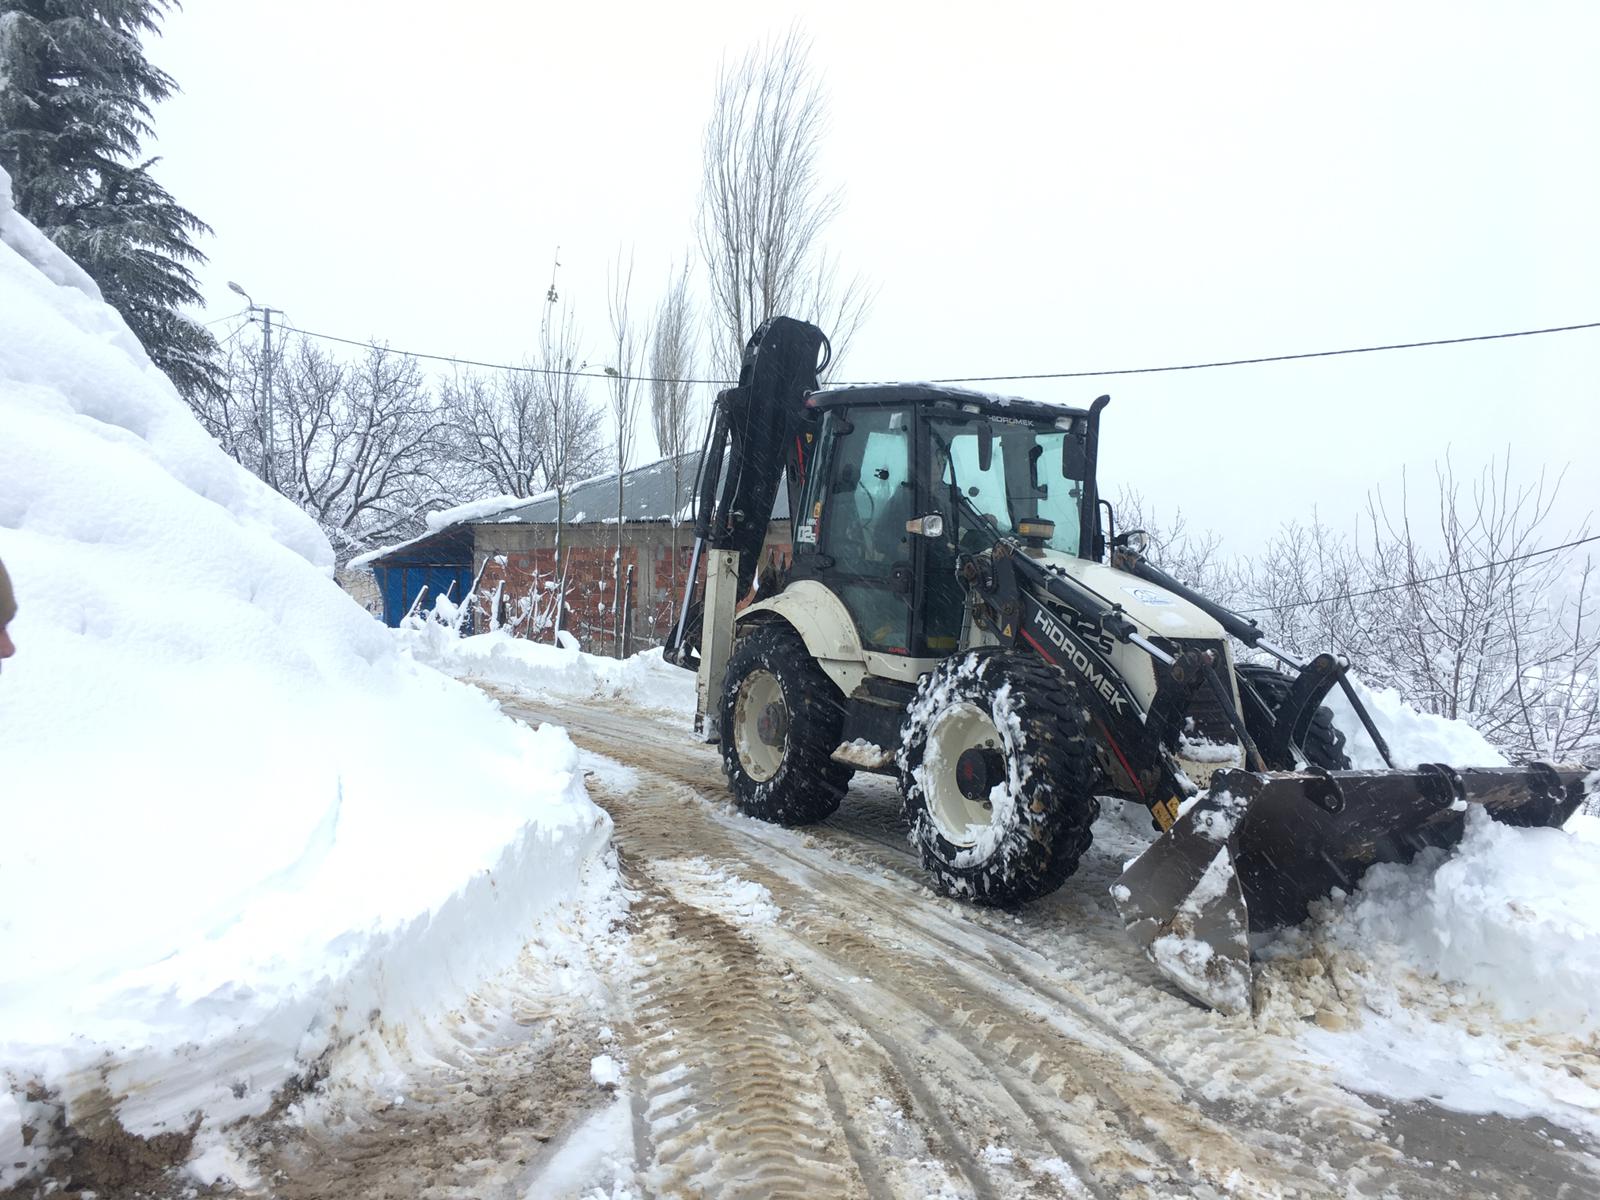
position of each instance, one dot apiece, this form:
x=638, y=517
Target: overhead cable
x=1395, y=587
x=1199, y=366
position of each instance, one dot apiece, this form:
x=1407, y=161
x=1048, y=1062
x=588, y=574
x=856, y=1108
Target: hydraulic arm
x=759, y=435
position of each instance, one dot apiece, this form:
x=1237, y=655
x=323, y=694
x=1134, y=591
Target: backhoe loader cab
x=905, y=479
x=959, y=616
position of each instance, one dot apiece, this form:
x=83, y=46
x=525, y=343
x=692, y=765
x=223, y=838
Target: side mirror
x=985, y=447
x=1074, y=457
x=931, y=525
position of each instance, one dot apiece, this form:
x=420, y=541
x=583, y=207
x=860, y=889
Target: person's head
x=8, y=609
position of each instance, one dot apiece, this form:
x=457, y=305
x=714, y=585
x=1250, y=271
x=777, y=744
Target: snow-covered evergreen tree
x=75, y=97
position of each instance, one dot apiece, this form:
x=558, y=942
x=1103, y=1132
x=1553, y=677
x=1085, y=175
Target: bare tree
x=1481, y=630
x=238, y=416
x=1308, y=585
x=1468, y=615
x=500, y=431
x=672, y=397
x=1561, y=702
x=363, y=447
x=507, y=435
x=625, y=351
x=1194, y=558
x=763, y=207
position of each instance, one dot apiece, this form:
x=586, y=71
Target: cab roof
x=939, y=395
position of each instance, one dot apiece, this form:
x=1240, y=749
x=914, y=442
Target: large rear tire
x=1324, y=740
x=997, y=770
x=781, y=718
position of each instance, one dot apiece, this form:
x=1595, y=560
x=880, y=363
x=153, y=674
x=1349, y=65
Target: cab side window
x=863, y=525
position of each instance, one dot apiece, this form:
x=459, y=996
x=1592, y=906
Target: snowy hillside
x=227, y=840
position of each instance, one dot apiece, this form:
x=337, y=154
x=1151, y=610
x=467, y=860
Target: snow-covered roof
x=472, y=510
x=647, y=495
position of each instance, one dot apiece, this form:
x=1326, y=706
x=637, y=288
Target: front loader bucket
x=1255, y=850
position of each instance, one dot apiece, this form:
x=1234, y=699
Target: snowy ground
x=969, y=1014
x=234, y=860
x=1437, y=1028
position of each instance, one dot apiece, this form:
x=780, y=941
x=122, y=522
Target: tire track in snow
x=729, y=1093
x=1009, y=1065
x=1070, y=1041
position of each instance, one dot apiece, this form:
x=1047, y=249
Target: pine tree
x=75, y=97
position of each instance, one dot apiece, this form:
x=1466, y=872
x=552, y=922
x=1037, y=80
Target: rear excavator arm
x=759, y=435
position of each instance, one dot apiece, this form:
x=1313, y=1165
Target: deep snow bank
x=239, y=820
x=1513, y=915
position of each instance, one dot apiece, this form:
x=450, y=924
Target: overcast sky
x=1030, y=188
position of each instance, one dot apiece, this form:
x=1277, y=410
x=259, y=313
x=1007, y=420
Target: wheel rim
x=960, y=737
x=761, y=725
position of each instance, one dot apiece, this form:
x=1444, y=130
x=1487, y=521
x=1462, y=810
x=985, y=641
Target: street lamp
x=267, y=440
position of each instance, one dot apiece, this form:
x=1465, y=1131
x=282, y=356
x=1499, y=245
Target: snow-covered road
x=804, y=1017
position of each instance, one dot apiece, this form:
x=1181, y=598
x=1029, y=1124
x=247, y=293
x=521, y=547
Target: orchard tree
x=75, y=99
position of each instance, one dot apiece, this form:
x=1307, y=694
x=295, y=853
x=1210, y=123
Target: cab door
x=862, y=535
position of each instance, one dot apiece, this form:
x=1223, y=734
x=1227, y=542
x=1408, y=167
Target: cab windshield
x=999, y=472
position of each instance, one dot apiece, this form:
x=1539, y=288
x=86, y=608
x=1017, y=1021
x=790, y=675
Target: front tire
x=780, y=724
x=1324, y=740
x=998, y=772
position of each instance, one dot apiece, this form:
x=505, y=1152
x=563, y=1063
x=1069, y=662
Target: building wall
x=362, y=587
x=521, y=561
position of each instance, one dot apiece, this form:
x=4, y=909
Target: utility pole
x=268, y=421
x=271, y=438
x=557, y=402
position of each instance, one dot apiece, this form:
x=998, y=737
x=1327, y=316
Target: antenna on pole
x=551, y=299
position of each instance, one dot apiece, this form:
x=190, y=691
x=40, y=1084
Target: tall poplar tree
x=75, y=97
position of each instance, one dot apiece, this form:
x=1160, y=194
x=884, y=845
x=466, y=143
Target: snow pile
x=1510, y=918
x=1469, y=979
x=645, y=680
x=605, y=1071
x=1512, y=914
x=239, y=822
x=1473, y=983
x=1414, y=737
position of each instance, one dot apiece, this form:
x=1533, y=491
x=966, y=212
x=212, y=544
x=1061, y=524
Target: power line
x=1200, y=366
x=524, y=370
x=1395, y=587
x=1245, y=362
x=229, y=317
x=232, y=335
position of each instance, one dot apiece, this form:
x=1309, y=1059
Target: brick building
x=513, y=557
